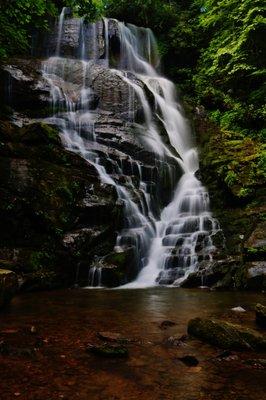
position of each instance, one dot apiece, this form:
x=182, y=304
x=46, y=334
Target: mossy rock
x=109, y=350
x=226, y=335
x=38, y=133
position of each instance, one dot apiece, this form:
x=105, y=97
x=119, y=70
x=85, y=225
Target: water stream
x=168, y=244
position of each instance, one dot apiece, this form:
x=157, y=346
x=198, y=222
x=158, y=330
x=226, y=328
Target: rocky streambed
x=122, y=344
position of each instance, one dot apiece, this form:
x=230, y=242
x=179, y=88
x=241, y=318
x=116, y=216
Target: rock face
x=8, y=285
x=54, y=211
x=226, y=335
x=58, y=218
x=68, y=219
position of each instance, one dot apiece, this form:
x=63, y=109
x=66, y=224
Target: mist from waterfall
x=169, y=245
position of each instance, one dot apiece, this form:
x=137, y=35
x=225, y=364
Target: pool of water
x=67, y=320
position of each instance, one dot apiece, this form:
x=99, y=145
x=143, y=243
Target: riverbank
x=46, y=336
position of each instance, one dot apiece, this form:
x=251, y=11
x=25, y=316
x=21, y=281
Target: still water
x=66, y=321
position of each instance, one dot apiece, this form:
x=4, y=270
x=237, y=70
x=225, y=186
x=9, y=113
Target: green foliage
x=91, y=9
x=18, y=18
x=230, y=178
x=230, y=76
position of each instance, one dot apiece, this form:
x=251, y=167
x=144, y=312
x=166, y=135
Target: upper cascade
x=169, y=237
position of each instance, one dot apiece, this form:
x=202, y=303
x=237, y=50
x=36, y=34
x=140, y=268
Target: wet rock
x=217, y=273
x=54, y=200
x=40, y=133
x=166, y=324
x=109, y=350
x=22, y=85
x=190, y=361
x=8, y=286
x=71, y=39
x=112, y=90
x=261, y=315
x=226, y=335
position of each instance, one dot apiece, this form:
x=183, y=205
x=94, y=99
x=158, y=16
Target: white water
x=169, y=247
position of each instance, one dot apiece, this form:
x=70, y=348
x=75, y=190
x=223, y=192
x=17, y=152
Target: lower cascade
x=168, y=226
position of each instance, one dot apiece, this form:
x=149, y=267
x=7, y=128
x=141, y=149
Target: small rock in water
x=108, y=350
x=167, y=324
x=33, y=329
x=238, y=309
x=174, y=341
x=190, y=361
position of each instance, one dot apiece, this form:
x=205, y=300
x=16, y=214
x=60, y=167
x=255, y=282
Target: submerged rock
x=226, y=335
x=190, y=361
x=109, y=350
x=167, y=324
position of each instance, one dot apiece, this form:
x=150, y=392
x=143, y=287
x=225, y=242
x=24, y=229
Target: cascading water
x=167, y=244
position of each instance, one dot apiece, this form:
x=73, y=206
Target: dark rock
x=8, y=286
x=226, y=335
x=261, y=315
x=109, y=350
x=22, y=85
x=50, y=200
x=166, y=324
x=252, y=276
x=190, y=361
x=257, y=363
x=218, y=274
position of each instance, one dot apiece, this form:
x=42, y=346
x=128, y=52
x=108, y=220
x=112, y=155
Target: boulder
x=114, y=93
x=226, y=335
x=8, y=286
x=218, y=273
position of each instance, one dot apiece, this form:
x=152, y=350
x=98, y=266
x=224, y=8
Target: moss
x=226, y=335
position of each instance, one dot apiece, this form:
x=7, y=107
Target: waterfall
x=60, y=30
x=168, y=244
